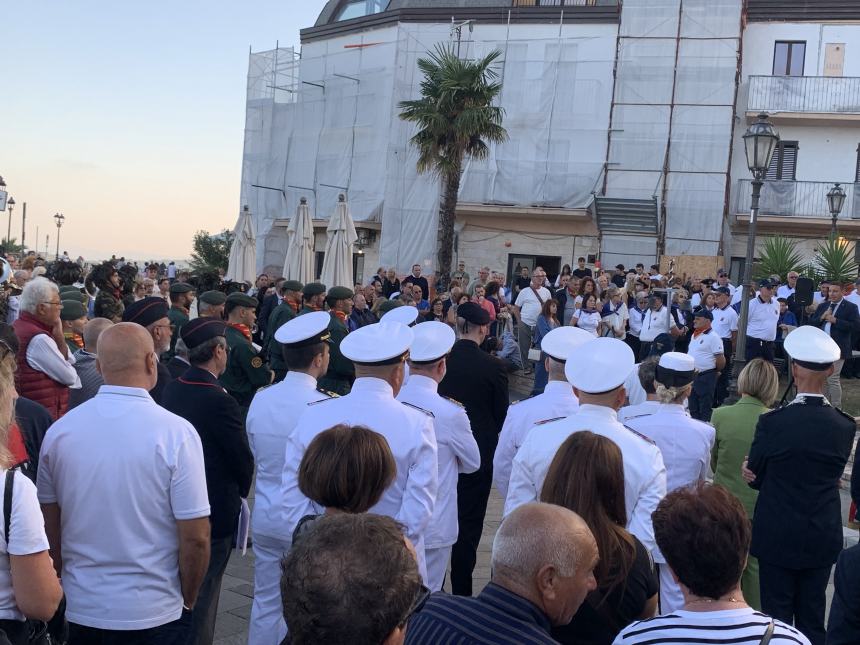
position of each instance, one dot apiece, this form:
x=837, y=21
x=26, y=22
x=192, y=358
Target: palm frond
x=834, y=260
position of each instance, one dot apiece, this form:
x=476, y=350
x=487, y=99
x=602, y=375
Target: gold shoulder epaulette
x=415, y=407
x=454, y=401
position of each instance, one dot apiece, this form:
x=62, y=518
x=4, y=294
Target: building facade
x=624, y=122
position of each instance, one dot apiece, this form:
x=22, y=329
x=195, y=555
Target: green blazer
x=735, y=426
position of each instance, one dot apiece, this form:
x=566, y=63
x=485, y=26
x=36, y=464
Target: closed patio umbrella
x=337, y=266
x=299, y=263
x=242, y=264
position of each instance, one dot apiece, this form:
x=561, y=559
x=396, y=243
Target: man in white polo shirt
x=123, y=492
x=761, y=323
x=786, y=290
x=706, y=349
x=528, y=306
x=725, y=324
x=657, y=320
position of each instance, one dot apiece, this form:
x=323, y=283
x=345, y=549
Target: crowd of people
x=642, y=502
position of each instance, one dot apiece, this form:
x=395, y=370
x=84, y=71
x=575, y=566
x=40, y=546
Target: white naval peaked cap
x=561, y=341
x=812, y=345
x=377, y=343
x=600, y=365
x=432, y=340
x=307, y=327
x=405, y=314
x=677, y=361
x=675, y=369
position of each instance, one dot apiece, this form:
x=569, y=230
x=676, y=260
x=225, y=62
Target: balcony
x=797, y=206
x=565, y=3
x=805, y=99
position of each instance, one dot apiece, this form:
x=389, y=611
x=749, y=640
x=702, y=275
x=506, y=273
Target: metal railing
x=565, y=3
x=797, y=199
x=811, y=94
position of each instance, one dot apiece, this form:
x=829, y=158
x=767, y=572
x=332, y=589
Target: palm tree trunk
x=445, y=232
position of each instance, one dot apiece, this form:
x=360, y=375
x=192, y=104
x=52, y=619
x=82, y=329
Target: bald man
x=124, y=479
x=85, y=363
x=543, y=558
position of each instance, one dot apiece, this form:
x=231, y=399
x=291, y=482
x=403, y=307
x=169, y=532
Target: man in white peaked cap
x=272, y=416
x=457, y=450
x=556, y=402
x=379, y=352
x=597, y=371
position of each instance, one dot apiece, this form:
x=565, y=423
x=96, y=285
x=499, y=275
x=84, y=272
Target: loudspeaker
x=803, y=292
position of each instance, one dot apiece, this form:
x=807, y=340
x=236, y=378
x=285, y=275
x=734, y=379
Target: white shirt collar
x=300, y=379
x=598, y=410
x=423, y=382
x=372, y=386
x=121, y=390
x=559, y=388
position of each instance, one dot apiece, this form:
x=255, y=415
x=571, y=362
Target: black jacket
x=798, y=455
x=478, y=381
x=843, y=627
x=176, y=366
x=164, y=377
x=33, y=421
x=199, y=398
x=847, y=323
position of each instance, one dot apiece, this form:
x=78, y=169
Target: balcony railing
x=565, y=3
x=797, y=199
x=809, y=94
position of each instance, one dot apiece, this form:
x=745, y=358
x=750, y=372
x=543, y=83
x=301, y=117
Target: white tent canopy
x=299, y=263
x=242, y=265
x=337, y=266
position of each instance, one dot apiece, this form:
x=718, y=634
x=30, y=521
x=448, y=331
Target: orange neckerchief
x=294, y=305
x=340, y=316
x=77, y=339
x=246, y=332
x=699, y=332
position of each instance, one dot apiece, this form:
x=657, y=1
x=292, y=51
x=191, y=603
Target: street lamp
x=835, y=201
x=760, y=141
x=60, y=218
x=11, y=204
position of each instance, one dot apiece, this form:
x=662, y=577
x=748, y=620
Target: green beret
x=69, y=292
x=68, y=288
x=213, y=297
x=292, y=285
x=72, y=310
x=238, y=299
x=339, y=293
x=313, y=289
x=181, y=287
x=387, y=305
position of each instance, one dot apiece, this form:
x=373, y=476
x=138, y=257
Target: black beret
x=238, y=299
x=473, y=313
x=198, y=331
x=724, y=290
x=340, y=293
x=313, y=288
x=145, y=312
x=213, y=297
x=292, y=285
x=181, y=287
x=703, y=313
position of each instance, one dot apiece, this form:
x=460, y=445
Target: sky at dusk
x=128, y=117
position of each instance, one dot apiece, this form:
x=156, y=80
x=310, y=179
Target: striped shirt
x=744, y=626
x=495, y=617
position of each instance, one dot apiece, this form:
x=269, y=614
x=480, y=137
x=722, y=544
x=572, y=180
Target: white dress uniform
x=271, y=418
x=685, y=444
x=556, y=401
x=598, y=366
x=637, y=410
x=457, y=450
x=409, y=431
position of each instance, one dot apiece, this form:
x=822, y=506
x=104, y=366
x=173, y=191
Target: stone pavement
x=237, y=590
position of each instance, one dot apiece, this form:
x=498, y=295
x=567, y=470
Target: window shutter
x=783, y=165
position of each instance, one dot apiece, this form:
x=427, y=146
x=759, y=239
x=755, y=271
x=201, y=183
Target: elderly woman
x=29, y=588
x=735, y=426
x=391, y=284
x=704, y=534
x=614, y=314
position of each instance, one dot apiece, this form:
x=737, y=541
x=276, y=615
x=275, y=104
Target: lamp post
x=835, y=201
x=60, y=218
x=11, y=204
x=760, y=141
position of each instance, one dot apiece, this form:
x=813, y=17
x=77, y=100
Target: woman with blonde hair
x=758, y=385
x=29, y=588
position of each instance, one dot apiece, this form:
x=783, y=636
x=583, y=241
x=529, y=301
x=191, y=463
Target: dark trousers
x=634, y=343
x=721, y=392
x=473, y=491
x=795, y=596
x=757, y=348
x=175, y=633
x=701, y=399
x=203, y=616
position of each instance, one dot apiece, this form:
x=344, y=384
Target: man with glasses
x=45, y=366
x=527, y=308
x=197, y=398
x=351, y=579
x=151, y=313
x=786, y=290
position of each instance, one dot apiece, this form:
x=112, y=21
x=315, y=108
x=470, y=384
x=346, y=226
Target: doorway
x=516, y=262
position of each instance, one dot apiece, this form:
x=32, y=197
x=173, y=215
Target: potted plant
x=834, y=261
x=778, y=256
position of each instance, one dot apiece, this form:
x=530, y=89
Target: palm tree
x=456, y=117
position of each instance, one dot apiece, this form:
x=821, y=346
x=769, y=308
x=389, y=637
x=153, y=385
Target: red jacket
x=31, y=383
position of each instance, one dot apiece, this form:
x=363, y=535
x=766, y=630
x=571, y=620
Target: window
x=788, y=58
x=784, y=162
x=359, y=8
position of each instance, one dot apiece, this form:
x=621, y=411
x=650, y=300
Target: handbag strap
x=7, y=502
x=537, y=295
x=768, y=634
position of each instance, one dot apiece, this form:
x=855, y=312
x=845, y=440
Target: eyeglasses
x=170, y=327
x=418, y=604
x=57, y=303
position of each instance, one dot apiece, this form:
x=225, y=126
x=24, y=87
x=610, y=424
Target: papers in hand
x=244, y=527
